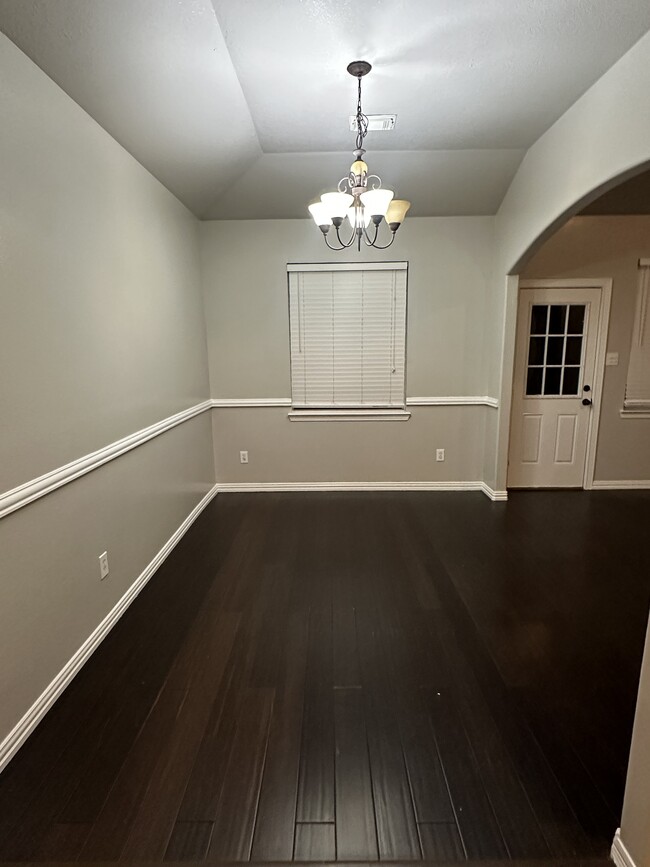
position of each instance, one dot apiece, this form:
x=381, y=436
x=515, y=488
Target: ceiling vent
x=376, y=122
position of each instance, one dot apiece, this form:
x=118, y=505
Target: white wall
x=245, y=289
x=101, y=334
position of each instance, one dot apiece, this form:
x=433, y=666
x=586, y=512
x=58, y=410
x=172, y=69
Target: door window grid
x=555, y=349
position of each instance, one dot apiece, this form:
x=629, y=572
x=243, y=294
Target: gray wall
x=607, y=247
x=248, y=347
x=101, y=334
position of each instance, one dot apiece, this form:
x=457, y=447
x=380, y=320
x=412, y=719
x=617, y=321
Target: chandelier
x=360, y=197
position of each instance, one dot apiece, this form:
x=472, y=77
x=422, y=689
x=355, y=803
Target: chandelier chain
x=362, y=121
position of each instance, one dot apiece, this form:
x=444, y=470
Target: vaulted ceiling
x=241, y=107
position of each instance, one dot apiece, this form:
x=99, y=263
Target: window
x=348, y=337
x=555, y=346
x=637, y=390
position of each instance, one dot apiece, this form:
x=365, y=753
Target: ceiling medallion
x=354, y=199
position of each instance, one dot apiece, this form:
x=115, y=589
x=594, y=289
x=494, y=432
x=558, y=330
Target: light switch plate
x=611, y=359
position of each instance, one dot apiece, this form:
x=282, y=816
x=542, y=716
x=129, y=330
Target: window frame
x=349, y=413
x=641, y=312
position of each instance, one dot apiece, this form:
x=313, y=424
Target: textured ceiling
x=231, y=104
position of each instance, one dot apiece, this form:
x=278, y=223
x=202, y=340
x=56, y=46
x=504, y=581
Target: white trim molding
x=453, y=400
x=450, y=400
x=343, y=414
x=621, y=485
x=225, y=402
x=21, y=731
x=346, y=266
x=277, y=487
x=620, y=853
x=26, y=493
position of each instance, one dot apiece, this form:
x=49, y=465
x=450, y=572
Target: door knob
x=586, y=401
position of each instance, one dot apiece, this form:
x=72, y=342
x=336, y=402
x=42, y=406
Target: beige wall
x=245, y=289
x=101, y=334
x=635, y=823
x=284, y=451
x=607, y=247
x=102, y=330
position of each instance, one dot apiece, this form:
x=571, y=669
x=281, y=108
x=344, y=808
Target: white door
x=557, y=334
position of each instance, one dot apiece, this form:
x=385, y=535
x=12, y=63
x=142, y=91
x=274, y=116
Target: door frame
x=602, y=329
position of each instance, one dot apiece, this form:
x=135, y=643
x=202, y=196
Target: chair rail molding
x=453, y=400
x=450, y=400
x=26, y=493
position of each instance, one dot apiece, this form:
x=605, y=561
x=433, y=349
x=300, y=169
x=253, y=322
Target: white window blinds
x=348, y=335
x=637, y=391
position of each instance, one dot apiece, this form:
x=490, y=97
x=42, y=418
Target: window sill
x=635, y=413
x=349, y=415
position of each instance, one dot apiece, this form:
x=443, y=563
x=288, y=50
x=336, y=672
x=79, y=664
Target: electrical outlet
x=440, y=454
x=103, y=565
x=243, y=457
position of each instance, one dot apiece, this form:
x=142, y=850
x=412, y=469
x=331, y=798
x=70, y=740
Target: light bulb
x=358, y=217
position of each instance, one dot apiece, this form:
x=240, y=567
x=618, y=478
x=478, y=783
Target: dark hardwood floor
x=355, y=677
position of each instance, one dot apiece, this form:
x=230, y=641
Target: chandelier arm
x=344, y=246
x=366, y=236
x=337, y=249
x=384, y=246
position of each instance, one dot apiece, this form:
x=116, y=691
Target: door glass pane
x=573, y=350
x=576, y=319
x=534, y=380
x=557, y=320
x=536, y=350
x=552, y=380
x=570, y=380
x=554, y=350
x=538, y=318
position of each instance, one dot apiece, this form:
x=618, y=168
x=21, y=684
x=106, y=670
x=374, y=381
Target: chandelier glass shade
x=359, y=198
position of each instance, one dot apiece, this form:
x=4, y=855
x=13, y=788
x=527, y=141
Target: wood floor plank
x=478, y=826
x=441, y=842
x=274, y=829
x=189, y=841
x=154, y=820
x=397, y=834
x=62, y=842
x=234, y=820
x=315, y=842
x=346, y=654
x=110, y=829
x=316, y=784
x=356, y=833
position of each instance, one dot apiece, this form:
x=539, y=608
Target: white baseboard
x=622, y=485
x=261, y=487
x=21, y=731
x=620, y=855
x=496, y=496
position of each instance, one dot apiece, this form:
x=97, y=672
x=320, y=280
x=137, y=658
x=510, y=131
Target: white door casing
x=561, y=331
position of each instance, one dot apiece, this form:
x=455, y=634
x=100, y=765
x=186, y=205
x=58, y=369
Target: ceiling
x=240, y=107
